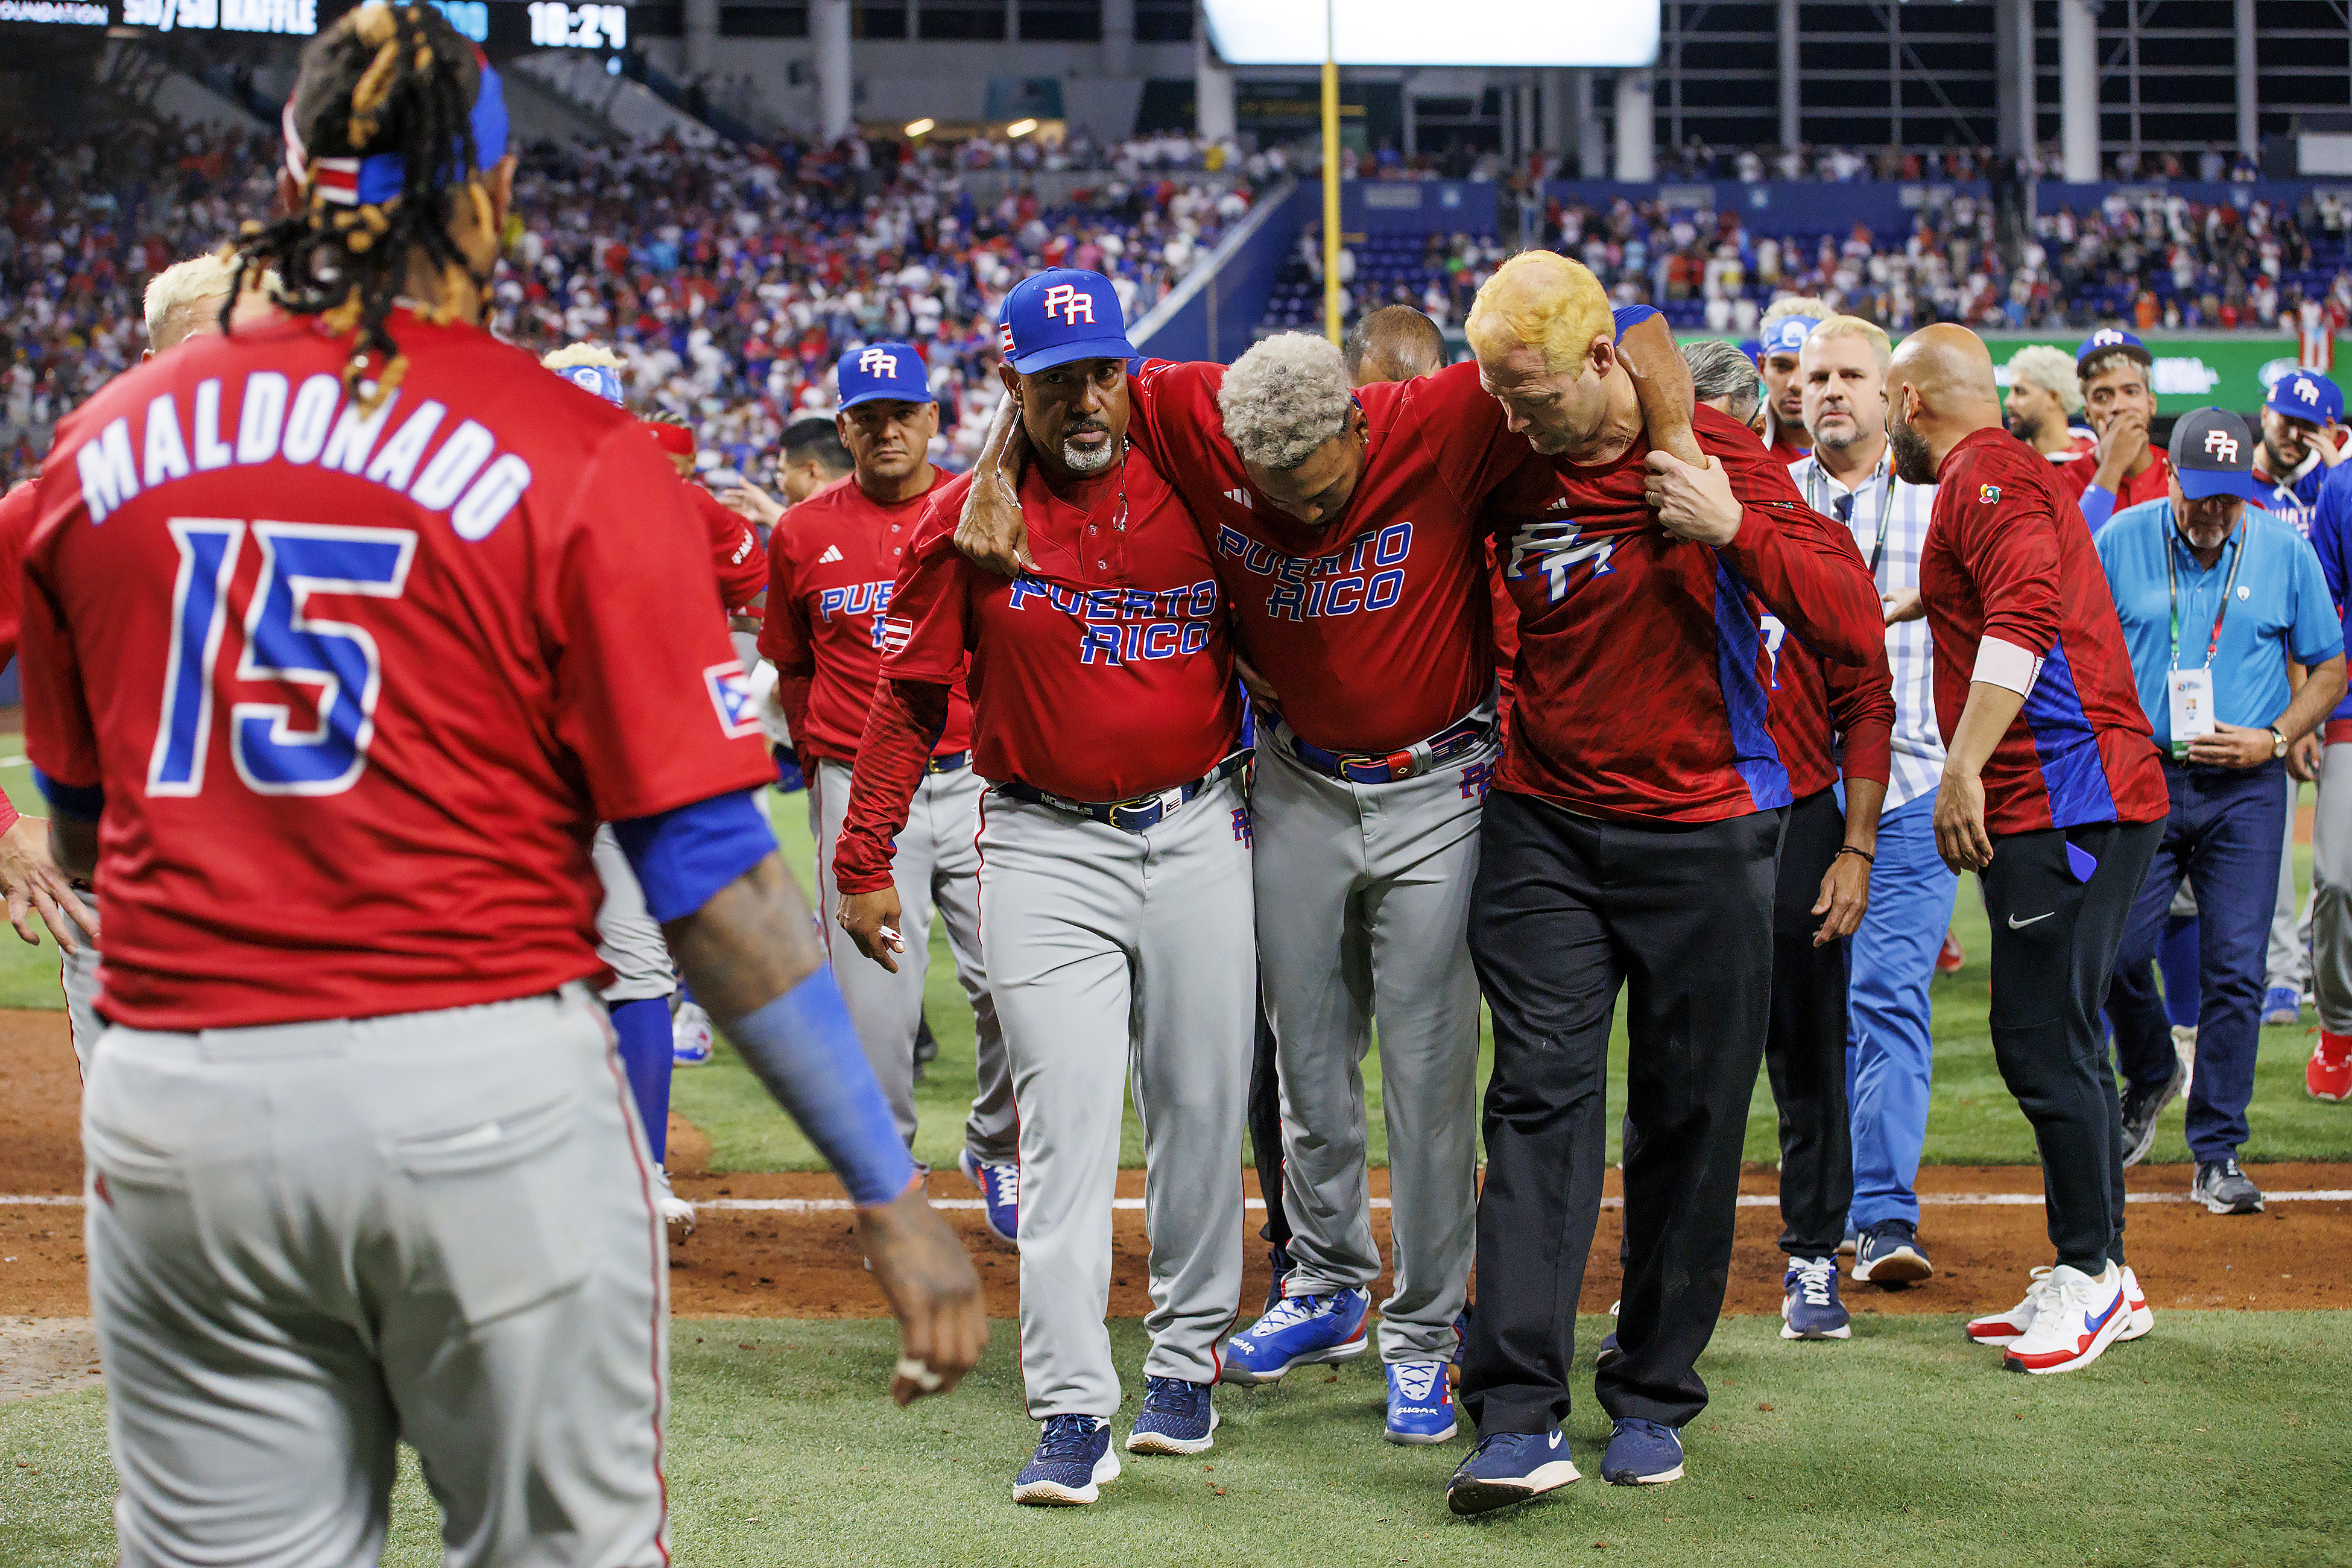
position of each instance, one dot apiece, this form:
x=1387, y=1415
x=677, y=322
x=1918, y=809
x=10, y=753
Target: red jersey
x=1105, y=675
x=2078, y=446
x=833, y=559
x=1374, y=628
x=2151, y=483
x=2008, y=557
x=1816, y=707
x=358, y=687
x=19, y=509
x=1643, y=671
x=735, y=553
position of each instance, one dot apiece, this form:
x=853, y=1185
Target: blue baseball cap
x=1059, y=315
x=883, y=370
x=601, y=380
x=2306, y=394
x=2213, y=455
x=1785, y=336
x=2108, y=339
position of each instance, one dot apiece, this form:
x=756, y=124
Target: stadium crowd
x=730, y=283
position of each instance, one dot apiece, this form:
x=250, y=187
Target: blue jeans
x=1889, y=1059
x=2223, y=835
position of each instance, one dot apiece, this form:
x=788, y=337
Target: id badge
x=2191, y=702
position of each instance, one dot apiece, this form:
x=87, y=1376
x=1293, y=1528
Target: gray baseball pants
x=1363, y=897
x=309, y=1241
x=2289, y=963
x=2331, y=892
x=629, y=939
x=80, y=976
x=1117, y=956
x=936, y=865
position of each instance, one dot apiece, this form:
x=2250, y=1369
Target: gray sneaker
x=2225, y=1189
x=2142, y=1107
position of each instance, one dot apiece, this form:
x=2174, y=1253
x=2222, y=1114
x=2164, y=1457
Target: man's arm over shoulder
x=1801, y=565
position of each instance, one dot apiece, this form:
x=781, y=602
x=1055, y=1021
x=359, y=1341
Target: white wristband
x=2006, y=665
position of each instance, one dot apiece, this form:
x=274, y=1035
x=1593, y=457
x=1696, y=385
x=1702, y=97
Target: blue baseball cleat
x=1420, y=1406
x=1809, y=1307
x=1301, y=1331
x=1176, y=1419
x=689, y=1035
x=1641, y=1454
x=1000, y=1193
x=1508, y=1468
x=1072, y=1462
x=2281, y=1004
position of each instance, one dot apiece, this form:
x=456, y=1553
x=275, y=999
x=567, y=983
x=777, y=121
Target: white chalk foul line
x=1747, y=1201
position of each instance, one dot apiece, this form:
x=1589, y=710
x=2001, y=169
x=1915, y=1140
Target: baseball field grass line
x=2210, y=1443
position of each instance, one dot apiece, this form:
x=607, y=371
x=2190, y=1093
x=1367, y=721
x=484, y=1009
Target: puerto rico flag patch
x=1989, y=494
x=891, y=632
x=731, y=696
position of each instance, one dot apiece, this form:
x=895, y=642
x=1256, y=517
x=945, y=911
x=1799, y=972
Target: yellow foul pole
x=1330, y=173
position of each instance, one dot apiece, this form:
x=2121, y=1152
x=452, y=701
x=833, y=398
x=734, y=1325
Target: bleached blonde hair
x=1881, y=350
x=1540, y=300
x=1788, y=305
x=1285, y=398
x=184, y=286
x=2051, y=370
x=580, y=353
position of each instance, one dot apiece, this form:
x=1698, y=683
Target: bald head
x=1395, y=342
x=1939, y=389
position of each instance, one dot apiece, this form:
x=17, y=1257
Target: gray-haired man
x=1343, y=523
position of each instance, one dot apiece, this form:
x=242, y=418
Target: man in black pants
x=2053, y=794
x=1632, y=839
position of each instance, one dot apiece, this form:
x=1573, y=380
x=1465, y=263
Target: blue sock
x=643, y=1030
x=2176, y=956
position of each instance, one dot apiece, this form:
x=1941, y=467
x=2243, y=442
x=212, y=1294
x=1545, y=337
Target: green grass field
x=2214, y=1442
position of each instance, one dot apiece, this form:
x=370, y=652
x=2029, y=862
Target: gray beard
x=1081, y=461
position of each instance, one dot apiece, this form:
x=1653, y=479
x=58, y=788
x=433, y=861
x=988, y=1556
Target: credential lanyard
x=2172, y=582
x=1885, y=502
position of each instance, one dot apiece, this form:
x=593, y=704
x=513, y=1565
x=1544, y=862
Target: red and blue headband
x=373, y=181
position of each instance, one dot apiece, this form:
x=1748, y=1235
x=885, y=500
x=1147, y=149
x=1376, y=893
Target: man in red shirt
x=1630, y=837
x=2051, y=793
x=1115, y=871
x=341, y=635
x=2125, y=469
x=831, y=560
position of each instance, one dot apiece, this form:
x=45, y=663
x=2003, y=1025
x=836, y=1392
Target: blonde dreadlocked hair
x=384, y=79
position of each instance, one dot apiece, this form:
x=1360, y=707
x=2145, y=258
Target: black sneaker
x=2142, y=1107
x=2225, y=1189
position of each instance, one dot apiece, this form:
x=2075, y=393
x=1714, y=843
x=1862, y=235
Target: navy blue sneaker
x=1278, y=1259
x=1420, y=1406
x=1301, y=1331
x=2281, y=1004
x=1889, y=1255
x=1809, y=1307
x=1508, y=1468
x=1641, y=1454
x=1607, y=1351
x=1000, y=1194
x=1176, y=1419
x=1072, y=1462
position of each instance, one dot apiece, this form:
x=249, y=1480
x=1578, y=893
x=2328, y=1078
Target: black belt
x=1410, y=762
x=1137, y=816
x=947, y=762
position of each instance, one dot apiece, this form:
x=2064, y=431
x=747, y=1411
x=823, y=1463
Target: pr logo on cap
x=1070, y=304
x=878, y=362
x=2222, y=445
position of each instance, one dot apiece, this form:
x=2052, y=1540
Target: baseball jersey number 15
x=281, y=644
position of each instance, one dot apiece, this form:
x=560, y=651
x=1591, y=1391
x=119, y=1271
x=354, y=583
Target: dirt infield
x=770, y=1262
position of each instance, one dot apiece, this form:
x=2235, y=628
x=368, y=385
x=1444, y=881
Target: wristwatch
x=2278, y=742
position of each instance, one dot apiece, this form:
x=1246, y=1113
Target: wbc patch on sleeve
x=731, y=696
x=1989, y=494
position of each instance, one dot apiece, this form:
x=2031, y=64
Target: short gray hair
x=1285, y=398
x=1719, y=369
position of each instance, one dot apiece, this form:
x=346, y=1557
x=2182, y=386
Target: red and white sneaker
x=2328, y=1074
x=1949, y=958
x=2135, y=1301
x=2003, y=1328
x=2080, y=1317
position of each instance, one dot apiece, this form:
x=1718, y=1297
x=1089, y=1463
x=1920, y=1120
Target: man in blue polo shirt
x=2215, y=598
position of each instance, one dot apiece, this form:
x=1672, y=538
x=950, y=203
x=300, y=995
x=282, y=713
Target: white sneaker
x=2003, y=1328
x=689, y=1035
x=677, y=1214
x=2080, y=1317
x=2136, y=1299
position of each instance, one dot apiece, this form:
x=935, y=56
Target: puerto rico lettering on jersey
x=315, y=424
x=1120, y=625
x=1366, y=577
